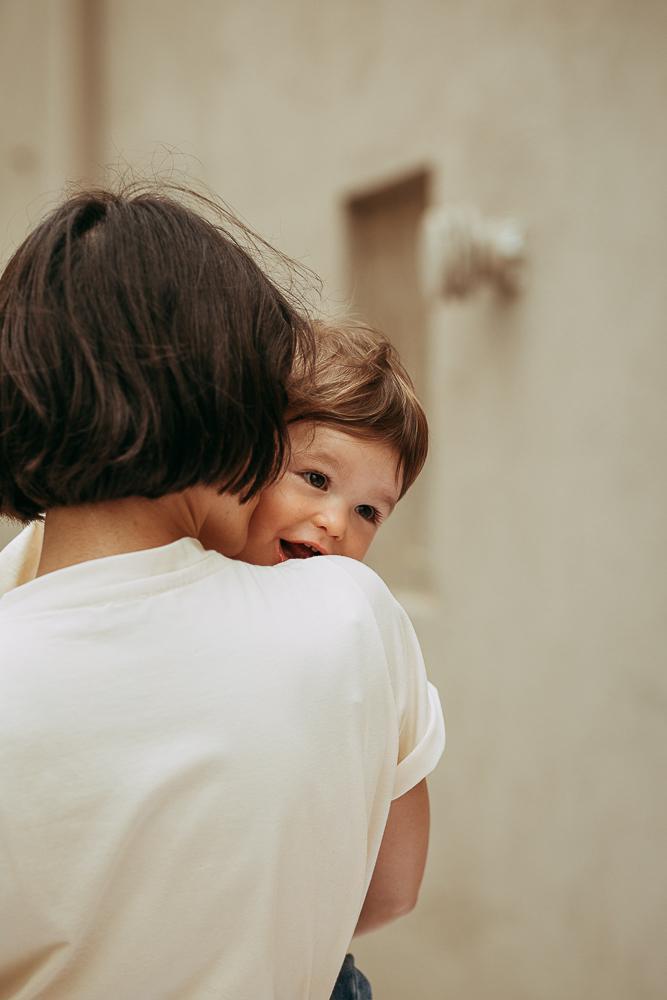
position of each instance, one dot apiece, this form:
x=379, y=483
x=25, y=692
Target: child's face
x=336, y=492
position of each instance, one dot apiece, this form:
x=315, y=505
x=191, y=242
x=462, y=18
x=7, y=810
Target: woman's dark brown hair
x=142, y=351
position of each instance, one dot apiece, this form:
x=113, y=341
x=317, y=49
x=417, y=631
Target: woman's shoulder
x=341, y=571
x=20, y=557
x=340, y=579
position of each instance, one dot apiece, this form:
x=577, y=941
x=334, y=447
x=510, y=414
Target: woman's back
x=196, y=776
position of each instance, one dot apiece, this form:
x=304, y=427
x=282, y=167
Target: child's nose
x=331, y=517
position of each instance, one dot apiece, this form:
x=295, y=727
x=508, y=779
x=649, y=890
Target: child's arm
x=399, y=868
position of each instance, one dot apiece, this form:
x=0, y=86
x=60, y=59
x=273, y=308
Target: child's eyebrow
x=391, y=502
x=313, y=455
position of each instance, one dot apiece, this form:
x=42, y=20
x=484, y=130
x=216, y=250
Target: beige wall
x=545, y=624
x=49, y=133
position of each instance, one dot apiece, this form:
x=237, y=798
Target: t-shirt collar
x=117, y=577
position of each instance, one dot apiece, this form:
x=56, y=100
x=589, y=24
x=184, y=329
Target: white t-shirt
x=197, y=758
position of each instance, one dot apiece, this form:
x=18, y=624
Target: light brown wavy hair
x=358, y=384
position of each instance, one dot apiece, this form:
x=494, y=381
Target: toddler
x=359, y=439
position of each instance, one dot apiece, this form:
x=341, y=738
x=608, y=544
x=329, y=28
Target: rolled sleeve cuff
x=424, y=757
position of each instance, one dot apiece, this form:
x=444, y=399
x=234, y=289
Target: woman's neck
x=91, y=531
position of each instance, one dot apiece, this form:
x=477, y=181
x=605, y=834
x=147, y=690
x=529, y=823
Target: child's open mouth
x=297, y=550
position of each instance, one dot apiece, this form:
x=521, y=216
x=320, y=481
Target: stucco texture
x=542, y=613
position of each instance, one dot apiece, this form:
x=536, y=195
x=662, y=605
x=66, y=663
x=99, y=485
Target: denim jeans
x=351, y=983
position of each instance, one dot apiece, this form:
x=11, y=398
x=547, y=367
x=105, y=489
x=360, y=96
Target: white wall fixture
x=461, y=250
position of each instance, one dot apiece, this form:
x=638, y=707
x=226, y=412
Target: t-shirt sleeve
x=421, y=738
x=19, y=559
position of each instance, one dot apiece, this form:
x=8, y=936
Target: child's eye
x=316, y=479
x=368, y=513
